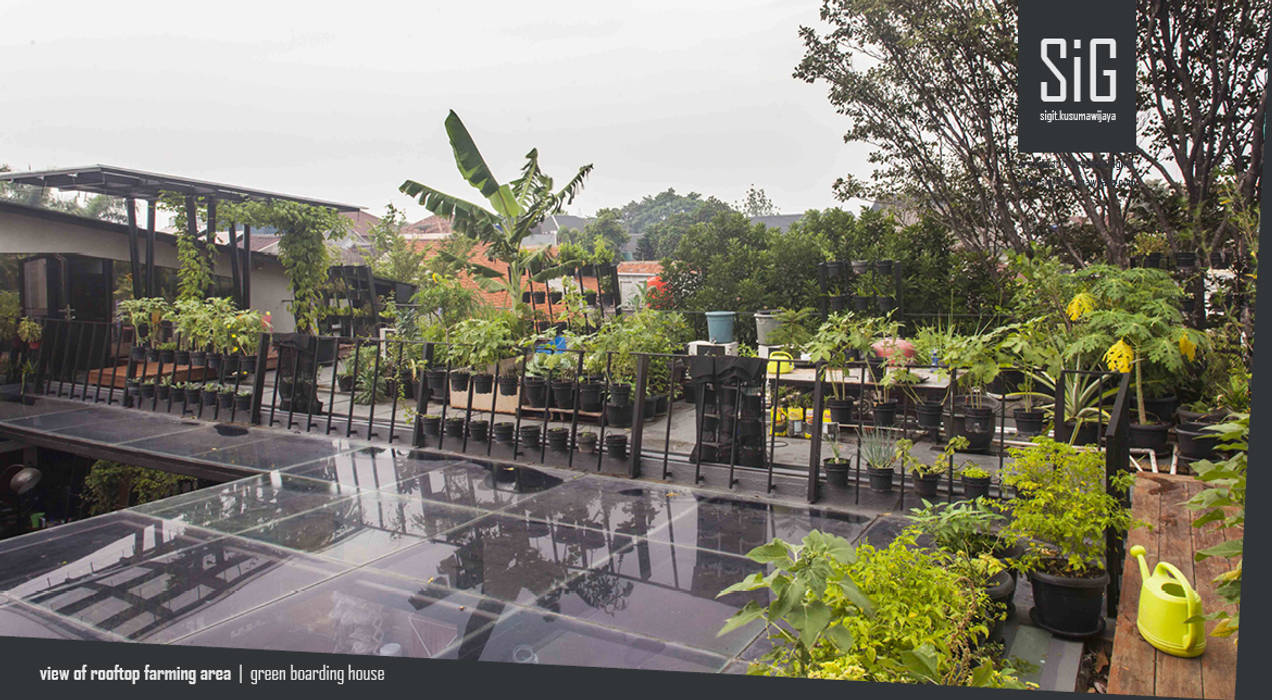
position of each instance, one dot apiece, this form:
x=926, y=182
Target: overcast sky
x=343, y=101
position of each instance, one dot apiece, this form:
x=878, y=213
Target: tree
x=391, y=255
x=662, y=238
x=518, y=207
x=756, y=203
x=933, y=86
x=607, y=226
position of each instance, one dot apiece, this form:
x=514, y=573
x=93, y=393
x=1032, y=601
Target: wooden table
x=1138, y=668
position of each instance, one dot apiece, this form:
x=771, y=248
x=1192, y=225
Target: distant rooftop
x=123, y=182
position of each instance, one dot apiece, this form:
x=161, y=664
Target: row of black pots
x=836, y=268
x=207, y=397
x=558, y=439
x=195, y=358
x=837, y=470
x=589, y=297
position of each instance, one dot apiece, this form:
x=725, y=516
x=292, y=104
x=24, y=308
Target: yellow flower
x=1119, y=357
x=1187, y=347
x=1081, y=305
x=437, y=278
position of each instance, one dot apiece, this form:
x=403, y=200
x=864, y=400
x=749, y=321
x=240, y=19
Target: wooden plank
x=1176, y=677
x=1132, y=670
x=1219, y=663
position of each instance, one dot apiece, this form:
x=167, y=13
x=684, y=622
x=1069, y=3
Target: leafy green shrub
x=1063, y=507
x=895, y=614
x=1224, y=503
x=963, y=527
x=111, y=486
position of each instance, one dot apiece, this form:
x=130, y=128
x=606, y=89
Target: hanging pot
x=837, y=471
x=182, y=357
x=554, y=298
x=508, y=385
x=1186, y=260
x=616, y=445
x=861, y=303
x=483, y=383
x=620, y=393
x=437, y=380
x=563, y=394
x=589, y=298
x=535, y=392
x=925, y=485
x=885, y=413
x=1153, y=260
x=880, y=478
x=975, y=486
x=459, y=380
x=884, y=267
x=885, y=304
x=618, y=415
x=837, y=303
x=590, y=397
x=860, y=267
x=1029, y=423
x=540, y=297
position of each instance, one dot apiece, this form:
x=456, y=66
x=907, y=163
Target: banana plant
x=516, y=208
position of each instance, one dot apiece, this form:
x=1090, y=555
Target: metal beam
x=150, y=248
x=133, y=261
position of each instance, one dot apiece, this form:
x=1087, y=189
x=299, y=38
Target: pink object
x=887, y=347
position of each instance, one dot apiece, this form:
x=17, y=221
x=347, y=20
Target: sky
x=344, y=101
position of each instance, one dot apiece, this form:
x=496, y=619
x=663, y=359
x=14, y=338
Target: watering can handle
x=1191, y=595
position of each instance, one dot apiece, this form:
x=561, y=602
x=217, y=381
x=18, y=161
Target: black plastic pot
x=478, y=429
x=880, y=479
x=563, y=394
x=1088, y=434
x=555, y=298
x=535, y=392
x=1067, y=606
x=589, y=298
x=525, y=297
x=833, y=270
x=483, y=383
x=226, y=400
x=884, y=267
x=209, y=397
x=977, y=425
x=1149, y=436
x=163, y=391
x=540, y=297
x=507, y=386
x=198, y=358
x=214, y=360
x=1195, y=442
x=925, y=484
x=885, y=304
x=148, y=390
x=586, y=442
x=243, y=402
x=249, y=364
x=616, y=445
x=178, y=394
x=837, y=471
x=431, y=425
x=928, y=414
x=529, y=436
x=840, y=410
x=885, y=414
x=558, y=439
x=651, y=408
x=1029, y=423
x=1186, y=260
x=590, y=397
x=1153, y=260
x=1216, y=260
x=138, y=353
x=230, y=363
x=1162, y=408
x=1001, y=590
x=974, y=487
x=607, y=298
x=437, y=380
x=152, y=354
x=861, y=303
x=345, y=382
x=459, y=380
x=837, y=303
x=455, y=428
x=504, y=432
x=620, y=393
x=618, y=415
x=167, y=356
x=182, y=357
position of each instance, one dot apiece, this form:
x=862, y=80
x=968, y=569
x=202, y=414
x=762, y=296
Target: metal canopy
x=139, y=184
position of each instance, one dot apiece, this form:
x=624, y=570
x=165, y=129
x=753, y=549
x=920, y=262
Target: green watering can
x=1169, y=610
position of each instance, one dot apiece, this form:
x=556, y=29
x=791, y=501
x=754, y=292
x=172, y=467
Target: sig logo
x=1066, y=85
x=1076, y=76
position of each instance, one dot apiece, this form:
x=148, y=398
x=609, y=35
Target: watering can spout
x=1138, y=552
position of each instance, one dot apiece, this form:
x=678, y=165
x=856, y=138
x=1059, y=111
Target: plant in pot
x=836, y=466
x=927, y=477
x=885, y=408
x=1029, y=346
x=145, y=315
x=481, y=344
x=975, y=359
x=880, y=454
x=830, y=345
x=243, y=400
x=1131, y=318
x=975, y=481
x=1063, y=512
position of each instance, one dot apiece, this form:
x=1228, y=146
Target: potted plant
x=880, y=455
x=836, y=466
x=478, y=345
x=1151, y=247
x=243, y=400
x=587, y=441
x=225, y=397
x=975, y=358
x=975, y=481
x=885, y=408
x=830, y=345
x=431, y=424
x=1064, y=516
x=559, y=439
x=163, y=389
x=1030, y=347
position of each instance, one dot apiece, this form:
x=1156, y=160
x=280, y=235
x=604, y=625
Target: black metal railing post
x=1117, y=457
x=815, y=447
x=638, y=417
x=258, y=380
